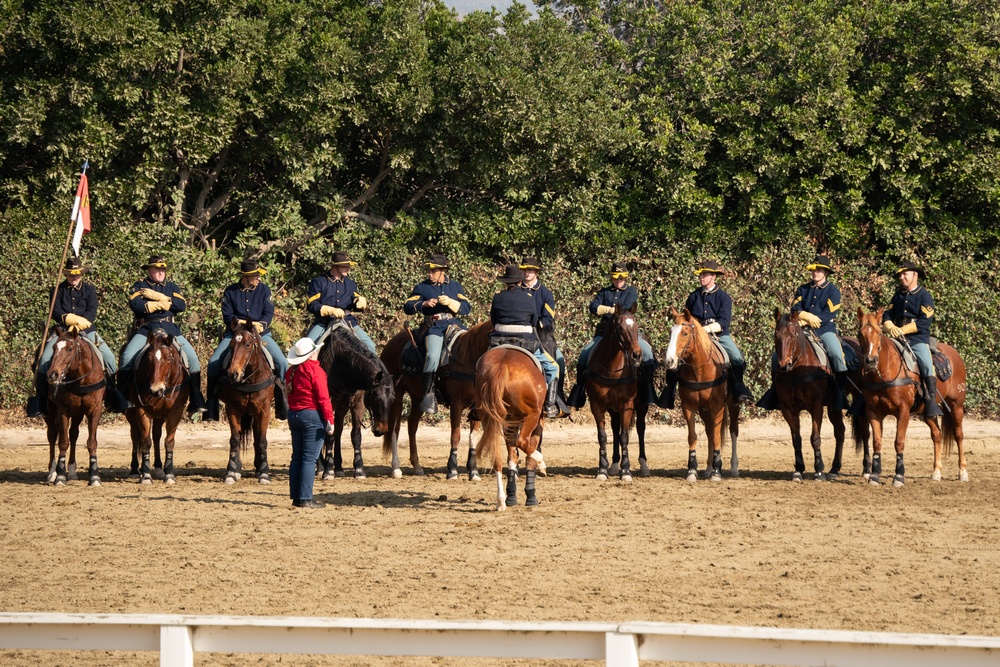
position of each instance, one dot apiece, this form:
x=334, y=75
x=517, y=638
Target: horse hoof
x=511, y=501
x=613, y=470
x=867, y=476
x=170, y=480
x=95, y=481
x=531, y=501
x=716, y=477
x=474, y=477
x=897, y=482
x=60, y=481
x=146, y=480
x=263, y=479
x=133, y=475
x=360, y=474
x=873, y=481
x=337, y=473
x=72, y=476
x=936, y=477
x=626, y=478
x=832, y=476
x=819, y=477
x=397, y=473
x=797, y=477
x=602, y=476
x=501, y=507
x=229, y=479
x=158, y=474
x=643, y=468
x=963, y=476
x=692, y=476
x=735, y=473
x=452, y=474
x=51, y=479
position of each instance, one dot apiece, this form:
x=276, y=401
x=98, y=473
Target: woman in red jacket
x=310, y=414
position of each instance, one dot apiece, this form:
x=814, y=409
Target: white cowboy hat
x=302, y=350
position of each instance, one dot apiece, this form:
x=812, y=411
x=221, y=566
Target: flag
x=81, y=213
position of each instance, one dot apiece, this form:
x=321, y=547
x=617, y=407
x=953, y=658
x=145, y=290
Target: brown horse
x=76, y=390
x=611, y=385
x=247, y=389
x=158, y=393
x=801, y=383
x=891, y=389
x=510, y=396
x=704, y=392
x=456, y=378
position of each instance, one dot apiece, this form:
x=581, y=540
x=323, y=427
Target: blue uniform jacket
x=338, y=292
x=515, y=306
x=714, y=306
x=912, y=306
x=823, y=301
x=80, y=300
x=162, y=319
x=545, y=304
x=247, y=303
x=609, y=296
x=426, y=290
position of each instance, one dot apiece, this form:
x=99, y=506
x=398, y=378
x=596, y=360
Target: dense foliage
x=757, y=133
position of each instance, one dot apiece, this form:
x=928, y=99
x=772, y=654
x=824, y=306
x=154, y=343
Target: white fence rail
x=178, y=638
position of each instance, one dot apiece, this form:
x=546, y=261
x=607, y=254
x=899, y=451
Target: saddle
x=942, y=364
x=519, y=348
x=498, y=340
x=228, y=354
x=909, y=360
x=816, y=343
x=725, y=355
x=411, y=359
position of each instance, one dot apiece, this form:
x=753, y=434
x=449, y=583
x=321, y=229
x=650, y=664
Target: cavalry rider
x=910, y=314
x=76, y=308
x=713, y=308
x=440, y=300
x=815, y=306
x=154, y=302
x=248, y=300
x=333, y=296
x=514, y=315
x=603, y=305
x=545, y=305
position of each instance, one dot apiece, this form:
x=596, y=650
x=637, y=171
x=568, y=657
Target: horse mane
x=356, y=365
x=476, y=338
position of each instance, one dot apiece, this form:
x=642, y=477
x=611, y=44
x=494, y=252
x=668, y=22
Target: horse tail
x=860, y=427
x=948, y=431
x=246, y=430
x=492, y=381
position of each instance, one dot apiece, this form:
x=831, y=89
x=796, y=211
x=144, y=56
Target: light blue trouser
x=922, y=351
x=317, y=330
x=735, y=356
x=215, y=363
x=139, y=340
x=647, y=352
x=433, y=358
x=831, y=341
x=106, y=354
x=549, y=366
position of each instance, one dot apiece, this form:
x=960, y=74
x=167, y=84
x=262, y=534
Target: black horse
x=358, y=382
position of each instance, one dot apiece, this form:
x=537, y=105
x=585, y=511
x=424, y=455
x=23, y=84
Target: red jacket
x=307, y=389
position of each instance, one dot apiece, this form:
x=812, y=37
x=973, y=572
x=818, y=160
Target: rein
x=607, y=380
x=73, y=386
x=166, y=392
x=801, y=345
x=245, y=386
x=896, y=381
x=690, y=384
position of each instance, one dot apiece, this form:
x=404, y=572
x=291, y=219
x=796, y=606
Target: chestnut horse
x=358, y=382
x=510, y=396
x=247, y=389
x=801, y=383
x=891, y=389
x=76, y=390
x=612, y=371
x=456, y=378
x=705, y=392
x=158, y=393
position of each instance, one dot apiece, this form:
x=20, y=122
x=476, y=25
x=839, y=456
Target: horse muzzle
x=379, y=429
x=871, y=364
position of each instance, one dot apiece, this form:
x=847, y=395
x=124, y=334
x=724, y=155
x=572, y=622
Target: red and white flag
x=81, y=213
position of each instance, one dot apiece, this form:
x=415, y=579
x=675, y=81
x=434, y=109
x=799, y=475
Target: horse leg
x=501, y=497
x=875, y=479
x=640, y=431
x=936, y=440
x=157, y=461
x=168, y=448
x=692, y=464
x=412, y=422
x=511, y=498
x=602, y=441
x=816, y=441
x=93, y=473
x=839, y=434
x=625, y=424
x=260, y=424
x=470, y=461
x=63, y=419
x=136, y=434
x=392, y=435
x=145, y=476
x=455, y=415
x=616, y=425
x=794, y=426
x=713, y=431
x=957, y=415
x=234, y=469
x=902, y=421
x=734, y=436
x=52, y=433
x=74, y=435
x=359, y=462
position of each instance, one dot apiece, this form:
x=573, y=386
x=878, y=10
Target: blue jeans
x=106, y=354
x=215, y=363
x=316, y=330
x=139, y=340
x=307, y=442
x=647, y=352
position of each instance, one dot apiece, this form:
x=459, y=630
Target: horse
x=704, y=391
x=801, y=383
x=510, y=396
x=158, y=393
x=76, y=390
x=612, y=372
x=358, y=381
x=890, y=388
x=247, y=389
x=455, y=377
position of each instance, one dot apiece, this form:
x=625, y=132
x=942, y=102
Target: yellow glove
x=453, y=305
x=259, y=326
x=154, y=306
x=73, y=320
x=331, y=311
x=237, y=322
x=73, y=329
x=907, y=329
x=605, y=310
x=891, y=329
x=809, y=320
x=360, y=302
x=714, y=327
x=444, y=300
x=149, y=294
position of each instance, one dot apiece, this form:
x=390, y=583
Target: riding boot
x=429, y=404
x=931, y=407
x=646, y=389
x=212, y=405
x=196, y=402
x=552, y=410
x=578, y=395
x=840, y=401
x=669, y=393
x=114, y=398
x=740, y=390
x=280, y=400
x=38, y=404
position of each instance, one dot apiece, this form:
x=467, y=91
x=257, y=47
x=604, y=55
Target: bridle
x=691, y=340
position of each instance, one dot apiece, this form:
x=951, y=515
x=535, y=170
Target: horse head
x=870, y=337
x=69, y=359
x=787, y=340
x=687, y=337
x=246, y=346
x=379, y=400
x=162, y=362
x=624, y=331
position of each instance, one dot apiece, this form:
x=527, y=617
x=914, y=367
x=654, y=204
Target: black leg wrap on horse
x=692, y=462
x=530, y=499
x=900, y=468
x=931, y=407
x=511, y=487
x=196, y=402
x=428, y=404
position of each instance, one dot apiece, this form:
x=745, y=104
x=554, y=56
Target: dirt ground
x=759, y=550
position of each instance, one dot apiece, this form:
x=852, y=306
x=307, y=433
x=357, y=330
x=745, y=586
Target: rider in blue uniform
x=603, y=305
x=545, y=304
x=334, y=296
x=154, y=302
x=440, y=300
x=75, y=307
x=713, y=308
x=515, y=315
x=910, y=315
x=248, y=300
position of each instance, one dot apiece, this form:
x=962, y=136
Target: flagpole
x=55, y=288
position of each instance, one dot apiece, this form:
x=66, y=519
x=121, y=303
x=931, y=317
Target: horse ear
x=673, y=312
x=687, y=314
x=879, y=314
x=632, y=307
x=777, y=315
x=861, y=314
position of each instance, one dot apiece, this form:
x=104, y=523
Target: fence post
x=621, y=650
x=176, y=646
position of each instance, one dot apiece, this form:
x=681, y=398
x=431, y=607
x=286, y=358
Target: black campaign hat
x=249, y=267
x=75, y=267
x=436, y=262
x=910, y=266
x=709, y=266
x=820, y=262
x=155, y=262
x=340, y=258
x=512, y=273
x=619, y=267
x=531, y=262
